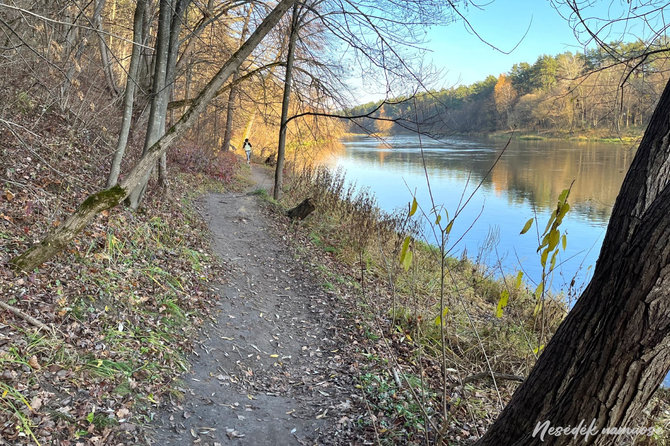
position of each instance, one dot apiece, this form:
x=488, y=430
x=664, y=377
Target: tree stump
x=302, y=210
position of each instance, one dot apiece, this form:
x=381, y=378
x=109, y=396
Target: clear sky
x=526, y=29
x=464, y=58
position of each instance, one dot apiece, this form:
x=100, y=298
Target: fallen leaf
x=122, y=413
x=32, y=362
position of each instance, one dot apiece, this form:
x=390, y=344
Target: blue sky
x=526, y=29
x=464, y=58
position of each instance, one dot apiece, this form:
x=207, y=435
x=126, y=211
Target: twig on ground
x=498, y=376
x=15, y=311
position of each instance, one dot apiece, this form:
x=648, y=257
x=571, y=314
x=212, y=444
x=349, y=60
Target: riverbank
x=627, y=137
x=631, y=137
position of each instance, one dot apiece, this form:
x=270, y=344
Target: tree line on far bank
x=601, y=92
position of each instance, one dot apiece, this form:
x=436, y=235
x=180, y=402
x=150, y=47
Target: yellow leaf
x=564, y=241
x=412, y=209
x=538, y=349
x=438, y=219
x=274, y=356
x=405, y=246
x=553, y=260
x=552, y=217
x=527, y=226
x=438, y=319
x=517, y=282
x=407, y=261
x=502, y=303
x=447, y=230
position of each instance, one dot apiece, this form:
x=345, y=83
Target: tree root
x=15, y=311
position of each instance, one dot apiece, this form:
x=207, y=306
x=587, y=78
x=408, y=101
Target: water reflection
x=526, y=180
x=528, y=170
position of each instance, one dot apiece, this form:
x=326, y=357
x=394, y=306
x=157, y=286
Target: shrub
x=193, y=158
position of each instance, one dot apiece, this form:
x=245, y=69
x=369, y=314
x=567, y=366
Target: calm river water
x=525, y=182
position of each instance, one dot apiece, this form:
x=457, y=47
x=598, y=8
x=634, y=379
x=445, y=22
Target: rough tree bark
x=54, y=242
x=612, y=352
x=129, y=95
x=281, y=146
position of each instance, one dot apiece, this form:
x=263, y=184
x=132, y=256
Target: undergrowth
x=427, y=384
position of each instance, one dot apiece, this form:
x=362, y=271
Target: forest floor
x=270, y=369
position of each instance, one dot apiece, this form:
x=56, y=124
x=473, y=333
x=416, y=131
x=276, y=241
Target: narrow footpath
x=269, y=370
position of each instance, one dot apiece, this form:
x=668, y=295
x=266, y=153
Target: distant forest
x=599, y=92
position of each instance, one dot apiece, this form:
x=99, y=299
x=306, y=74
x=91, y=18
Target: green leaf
x=563, y=196
x=527, y=226
x=539, y=290
x=552, y=217
x=517, y=282
x=90, y=417
x=502, y=303
x=554, y=237
x=564, y=241
x=543, y=257
x=438, y=219
x=438, y=319
x=561, y=213
x=412, y=209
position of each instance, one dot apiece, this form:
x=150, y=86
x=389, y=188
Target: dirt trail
x=268, y=370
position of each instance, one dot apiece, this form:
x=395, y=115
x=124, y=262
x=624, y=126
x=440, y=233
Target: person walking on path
x=247, y=149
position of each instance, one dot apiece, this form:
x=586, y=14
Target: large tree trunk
x=129, y=96
x=613, y=350
x=281, y=146
x=54, y=242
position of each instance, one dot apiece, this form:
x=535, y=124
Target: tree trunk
x=129, y=96
x=230, y=106
x=167, y=47
x=281, y=146
x=54, y=242
x=302, y=210
x=611, y=353
x=104, y=50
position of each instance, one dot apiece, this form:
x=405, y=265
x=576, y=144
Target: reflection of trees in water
x=534, y=171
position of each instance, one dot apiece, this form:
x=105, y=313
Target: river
x=526, y=181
